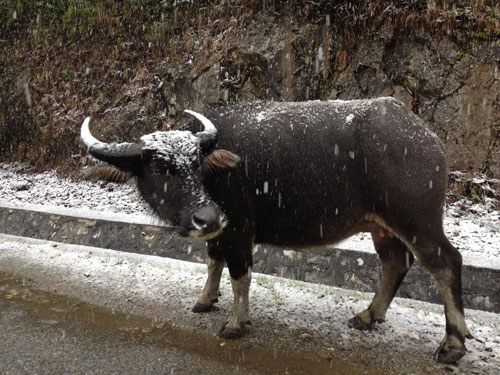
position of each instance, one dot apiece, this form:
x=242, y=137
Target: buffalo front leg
x=233, y=328
x=396, y=261
x=210, y=294
x=236, y=245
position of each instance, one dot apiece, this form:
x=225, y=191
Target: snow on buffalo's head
x=169, y=166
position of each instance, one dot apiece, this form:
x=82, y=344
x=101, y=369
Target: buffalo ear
x=107, y=173
x=220, y=159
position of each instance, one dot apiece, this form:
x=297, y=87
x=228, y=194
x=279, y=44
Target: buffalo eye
x=161, y=166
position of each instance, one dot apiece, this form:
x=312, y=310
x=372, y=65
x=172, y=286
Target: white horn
x=88, y=139
x=123, y=155
x=209, y=133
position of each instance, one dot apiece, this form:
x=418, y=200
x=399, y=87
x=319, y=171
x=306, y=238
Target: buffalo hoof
x=359, y=324
x=230, y=333
x=199, y=308
x=448, y=355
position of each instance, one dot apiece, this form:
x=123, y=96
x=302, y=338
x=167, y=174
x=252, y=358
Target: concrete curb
x=338, y=267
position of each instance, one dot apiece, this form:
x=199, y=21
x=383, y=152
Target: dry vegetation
x=62, y=59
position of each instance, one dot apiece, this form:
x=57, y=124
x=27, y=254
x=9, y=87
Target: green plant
x=480, y=35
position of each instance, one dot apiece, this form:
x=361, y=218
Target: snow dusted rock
x=22, y=186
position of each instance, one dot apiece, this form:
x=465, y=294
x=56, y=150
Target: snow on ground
x=473, y=228
x=19, y=185
x=166, y=289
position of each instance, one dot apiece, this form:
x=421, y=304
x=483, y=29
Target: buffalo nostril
x=199, y=222
x=206, y=219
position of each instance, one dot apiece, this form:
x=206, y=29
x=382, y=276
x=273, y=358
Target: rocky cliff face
x=456, y=91
x=449, y=78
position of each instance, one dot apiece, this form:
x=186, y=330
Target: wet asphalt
x=48, y=326
x=45, y=333
x=38, y=336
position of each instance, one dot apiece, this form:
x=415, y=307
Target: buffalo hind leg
x=210, y=293
x=396, y=261
x=445, y=263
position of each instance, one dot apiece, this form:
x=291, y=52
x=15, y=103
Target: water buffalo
x=302, y=175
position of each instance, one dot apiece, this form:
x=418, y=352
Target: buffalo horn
x=209, y=134
x=125, y=156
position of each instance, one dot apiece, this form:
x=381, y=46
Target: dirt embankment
x=134, y=68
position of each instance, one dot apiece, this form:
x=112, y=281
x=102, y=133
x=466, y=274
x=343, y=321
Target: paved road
x=44, y=334
x=63, y=319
